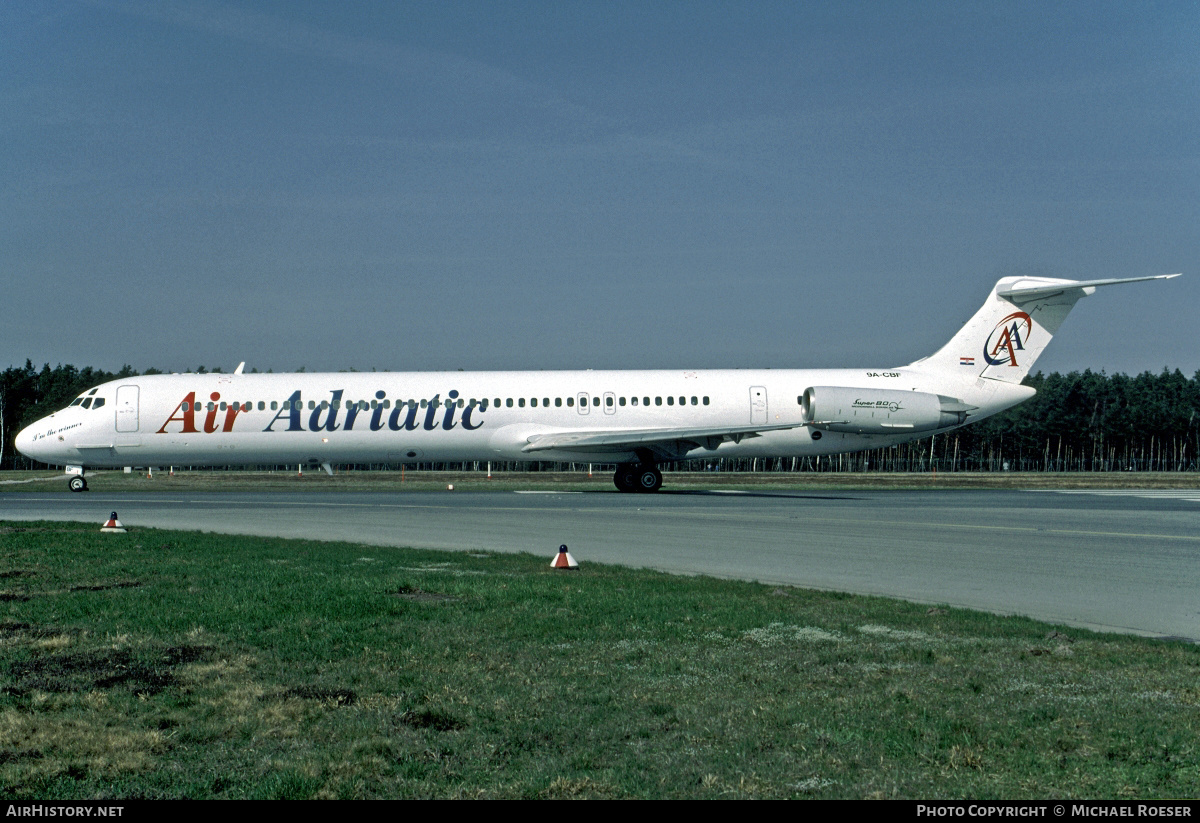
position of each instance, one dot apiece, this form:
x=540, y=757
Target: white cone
x=113, y=525
x=563, y=559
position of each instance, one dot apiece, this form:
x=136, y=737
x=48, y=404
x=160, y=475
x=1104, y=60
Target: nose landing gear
x=77, y=484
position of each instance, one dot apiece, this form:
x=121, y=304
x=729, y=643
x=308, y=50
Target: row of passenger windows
x=507, y=402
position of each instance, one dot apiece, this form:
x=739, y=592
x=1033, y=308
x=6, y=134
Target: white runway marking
x=1192, y=495
x=545, y=492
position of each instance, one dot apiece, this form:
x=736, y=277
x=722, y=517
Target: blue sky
x=442, y=185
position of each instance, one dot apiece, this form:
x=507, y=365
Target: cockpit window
x=99, y=402
x=78, y=400
x=87, y=403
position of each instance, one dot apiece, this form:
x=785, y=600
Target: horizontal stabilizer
x=1021, y=295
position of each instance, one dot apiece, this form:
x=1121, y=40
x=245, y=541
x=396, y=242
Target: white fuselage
x=390, y=417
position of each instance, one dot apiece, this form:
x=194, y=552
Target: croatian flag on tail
x=966, y=361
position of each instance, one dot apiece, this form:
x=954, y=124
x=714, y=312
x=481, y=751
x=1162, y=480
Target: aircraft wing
x=665, y=443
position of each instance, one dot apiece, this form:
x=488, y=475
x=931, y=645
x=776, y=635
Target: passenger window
x=670, y=401
x=521, y=402
x=694, y=401
x=262, y=406
x=508, y=402
x=533, y=402
x=706, y=399
x=210, y=405
x=558, y=401
x=608, y=402
x=274, y=405
x=546, y=401
x=311, y=405
x=483, y=404
x=570, y=402
x=646, y=401
x=222, y=406
x=462, y=402
x=633, y=401
x=683, y=401
x=658, y=401
x=424, y=404
x=622, y=401
x=183, y=406
x=595, y=401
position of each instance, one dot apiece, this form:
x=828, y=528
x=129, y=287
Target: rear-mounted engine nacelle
x=879, y=411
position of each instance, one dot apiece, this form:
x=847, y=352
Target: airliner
x=635, y=419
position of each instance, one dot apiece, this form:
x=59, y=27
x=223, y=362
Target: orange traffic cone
x=563, y=560
x=113, y=525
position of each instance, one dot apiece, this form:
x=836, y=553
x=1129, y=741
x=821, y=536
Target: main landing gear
x=631, y=477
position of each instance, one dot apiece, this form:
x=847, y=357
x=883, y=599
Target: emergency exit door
x=758, y=404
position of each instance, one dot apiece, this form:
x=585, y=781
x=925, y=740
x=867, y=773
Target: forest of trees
x=1076, y=422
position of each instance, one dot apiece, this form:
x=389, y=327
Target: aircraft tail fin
x=1014, y=326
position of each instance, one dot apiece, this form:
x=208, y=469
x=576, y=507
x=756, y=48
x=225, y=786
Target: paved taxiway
x=1121, y=561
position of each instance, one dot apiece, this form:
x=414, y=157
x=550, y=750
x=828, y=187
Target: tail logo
x=1007, y=339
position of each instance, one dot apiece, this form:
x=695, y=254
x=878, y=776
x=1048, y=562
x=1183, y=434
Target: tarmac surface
x=1124, y=561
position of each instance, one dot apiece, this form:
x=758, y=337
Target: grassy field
x=111, y=481
x=176, y=664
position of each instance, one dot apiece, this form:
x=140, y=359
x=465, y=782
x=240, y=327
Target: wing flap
x=629, y=439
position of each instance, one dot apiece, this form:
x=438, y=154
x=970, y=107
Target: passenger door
x=127, y=408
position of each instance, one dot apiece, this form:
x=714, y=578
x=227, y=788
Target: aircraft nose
x=25, y=442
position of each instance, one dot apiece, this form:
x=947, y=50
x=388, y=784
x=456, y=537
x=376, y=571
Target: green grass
x=176, y=664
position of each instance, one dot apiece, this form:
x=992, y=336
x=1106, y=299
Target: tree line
x=1081, y=421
